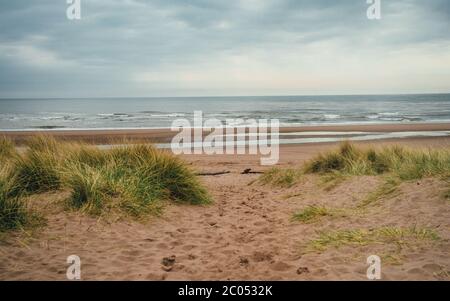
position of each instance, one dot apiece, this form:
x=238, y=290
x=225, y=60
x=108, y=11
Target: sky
x=230, y=47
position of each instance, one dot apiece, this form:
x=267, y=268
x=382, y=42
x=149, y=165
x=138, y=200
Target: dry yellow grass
x=135, y=179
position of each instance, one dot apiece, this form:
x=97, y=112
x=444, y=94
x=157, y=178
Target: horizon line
x=227, y=96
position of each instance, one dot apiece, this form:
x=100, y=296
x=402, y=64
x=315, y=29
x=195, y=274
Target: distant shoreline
x=164, y=135
x=284, y=127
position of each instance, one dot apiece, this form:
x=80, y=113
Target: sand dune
x=247, y=234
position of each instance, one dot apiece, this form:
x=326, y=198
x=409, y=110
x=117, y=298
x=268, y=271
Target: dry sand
x=246, y=234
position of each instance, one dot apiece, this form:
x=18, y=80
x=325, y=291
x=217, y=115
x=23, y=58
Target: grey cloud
x=117, y=38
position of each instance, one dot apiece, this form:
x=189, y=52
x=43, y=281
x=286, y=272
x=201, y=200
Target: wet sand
x=165, y=135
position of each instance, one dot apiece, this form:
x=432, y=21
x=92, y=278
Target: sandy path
x=246, y=234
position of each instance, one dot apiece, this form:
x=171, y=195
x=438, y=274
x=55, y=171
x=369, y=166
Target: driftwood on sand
x=212, y=173
x=247, y=171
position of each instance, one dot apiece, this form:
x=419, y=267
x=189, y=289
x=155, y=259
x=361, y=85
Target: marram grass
x=361, y=237
x=135, y=179
x=88, y=186
x=37, y=171
x=406, y=164
x=6, y=149
x=13, y=213
x=314, y=213
x=348, y=160
x=280, y=177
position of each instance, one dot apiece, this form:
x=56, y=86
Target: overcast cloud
x=232, y=47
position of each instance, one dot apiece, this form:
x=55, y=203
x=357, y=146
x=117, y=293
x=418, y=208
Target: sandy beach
x=172, y=142
x=247, y=233
x=165, y=135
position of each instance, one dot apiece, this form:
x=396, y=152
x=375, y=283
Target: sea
x=160, y=112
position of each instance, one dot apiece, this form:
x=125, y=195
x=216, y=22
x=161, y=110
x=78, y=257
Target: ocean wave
x=389, y=114
x=150, y=112
x=169, y=115
x=291, y=111
x=331, y=116
x=122, y=114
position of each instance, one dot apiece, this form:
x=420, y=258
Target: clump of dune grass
x=84, y=154
x=313, y=213
x=43, y=142
x=13, y=213
x=134, y=178
x=360, y=237
x=37, y=170
x=89, y=188
x=349, y=160
x=7, y=149
x=161, y=170
x=397, y=163
x=280, y=177
x=13, y=210
x=407, y=164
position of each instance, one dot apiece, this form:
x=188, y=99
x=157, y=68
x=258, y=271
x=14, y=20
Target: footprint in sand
x=188, y=247
x=415, y=271
x=192, y=257
x=125, y=258
x=131, y=253
x=280, y=266
x=262, y=256
x=168, y=263
x=229, y=252
x=432, y=267
x=162, y=246
x=321, y=272
x=176, y=243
